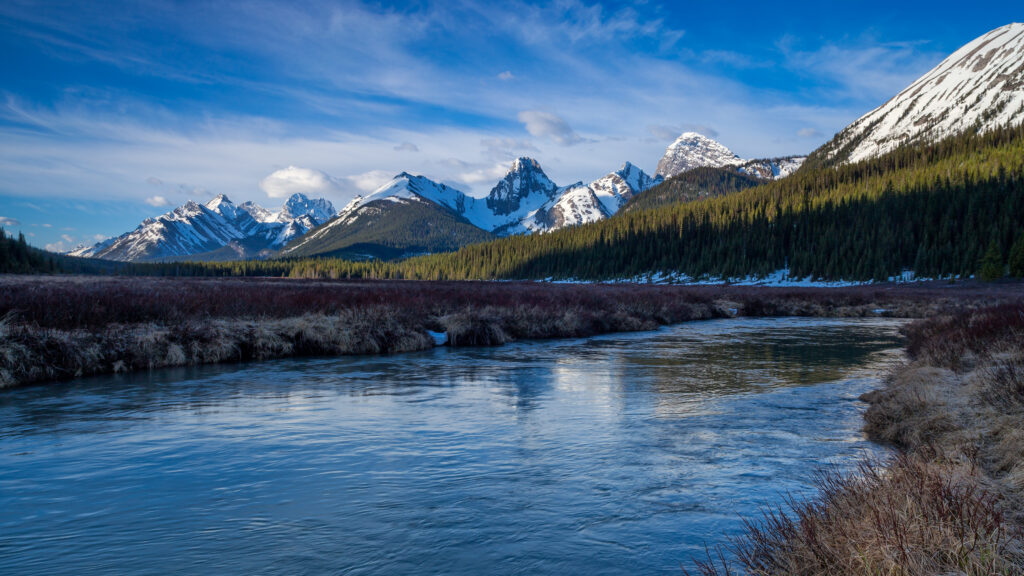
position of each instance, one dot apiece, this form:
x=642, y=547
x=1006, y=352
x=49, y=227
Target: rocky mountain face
x=218, y=229
x=693, y=150
x=980, y=86
x=525, y=186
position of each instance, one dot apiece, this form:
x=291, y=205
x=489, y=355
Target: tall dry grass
x=58, y=328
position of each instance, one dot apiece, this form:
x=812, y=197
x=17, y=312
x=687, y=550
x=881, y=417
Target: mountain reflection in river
x=611, y=455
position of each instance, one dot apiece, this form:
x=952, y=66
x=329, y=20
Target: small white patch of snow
x=440, y=338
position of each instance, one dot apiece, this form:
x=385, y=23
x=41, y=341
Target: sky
x=113, y=112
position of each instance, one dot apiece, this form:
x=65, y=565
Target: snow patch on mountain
x=615, y=189
x=772, y=168
x=981, y=86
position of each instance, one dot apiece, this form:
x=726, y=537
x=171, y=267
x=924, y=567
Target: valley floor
x=952, y=499
x=62, y=327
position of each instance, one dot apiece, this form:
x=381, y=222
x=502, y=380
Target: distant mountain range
x=524, y=201
x=217, y=230
x=979, y=87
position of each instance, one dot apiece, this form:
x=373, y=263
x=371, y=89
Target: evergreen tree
x=991, y=266
x=1016, y=260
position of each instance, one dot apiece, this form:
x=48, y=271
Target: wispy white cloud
x=859, y=69
x=11, y=222
x=506, y=75
x=294, y=180
x=549, y=125
x=407, y=147
x=506, y=148
x=371, y=180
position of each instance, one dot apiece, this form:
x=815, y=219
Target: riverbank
x=56, y=328
x=952, y=500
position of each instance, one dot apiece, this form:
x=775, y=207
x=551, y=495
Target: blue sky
x=112, y=112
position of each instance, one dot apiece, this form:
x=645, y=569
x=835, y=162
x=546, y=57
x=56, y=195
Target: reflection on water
x=618, y=454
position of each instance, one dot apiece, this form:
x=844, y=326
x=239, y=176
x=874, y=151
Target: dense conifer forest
x=16, y=256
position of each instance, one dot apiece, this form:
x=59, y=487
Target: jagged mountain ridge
x=203, y=231
x=524, y=201
x=980, y=86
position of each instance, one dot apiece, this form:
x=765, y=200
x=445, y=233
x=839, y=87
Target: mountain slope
x=978, y=87
x=772, y=168
x=692, y=185
x=616, y=189
x=408, y=215
x=198, y=231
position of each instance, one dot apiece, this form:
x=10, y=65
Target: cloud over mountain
x=547, y=125
x=295, y=180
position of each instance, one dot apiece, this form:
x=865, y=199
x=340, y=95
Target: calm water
x=611, y=455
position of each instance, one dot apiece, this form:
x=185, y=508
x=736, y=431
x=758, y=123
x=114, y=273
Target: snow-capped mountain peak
x=524, y=186
x=692, y=150
x=299, y=205
x=222, y=205
x=615, y=189
x=980, y=85
x=258, y=213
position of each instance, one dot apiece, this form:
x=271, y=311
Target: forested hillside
x=16, y=256
x=391, y=229
x=936, y=209
x=696, y=184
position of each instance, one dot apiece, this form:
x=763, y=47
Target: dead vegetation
x=951, y=501
x=57, y=328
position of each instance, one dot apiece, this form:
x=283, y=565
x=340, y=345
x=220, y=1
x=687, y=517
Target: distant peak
x=298, y=197
x=218, y=199
x=692, y=138
x=524, y=163
x=693, y=150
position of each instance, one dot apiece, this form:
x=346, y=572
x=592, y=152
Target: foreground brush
x=952, y=499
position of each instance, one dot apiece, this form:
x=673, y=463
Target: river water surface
x=621, y=454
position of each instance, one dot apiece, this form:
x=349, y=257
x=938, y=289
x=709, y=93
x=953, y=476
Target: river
x=620, y=454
